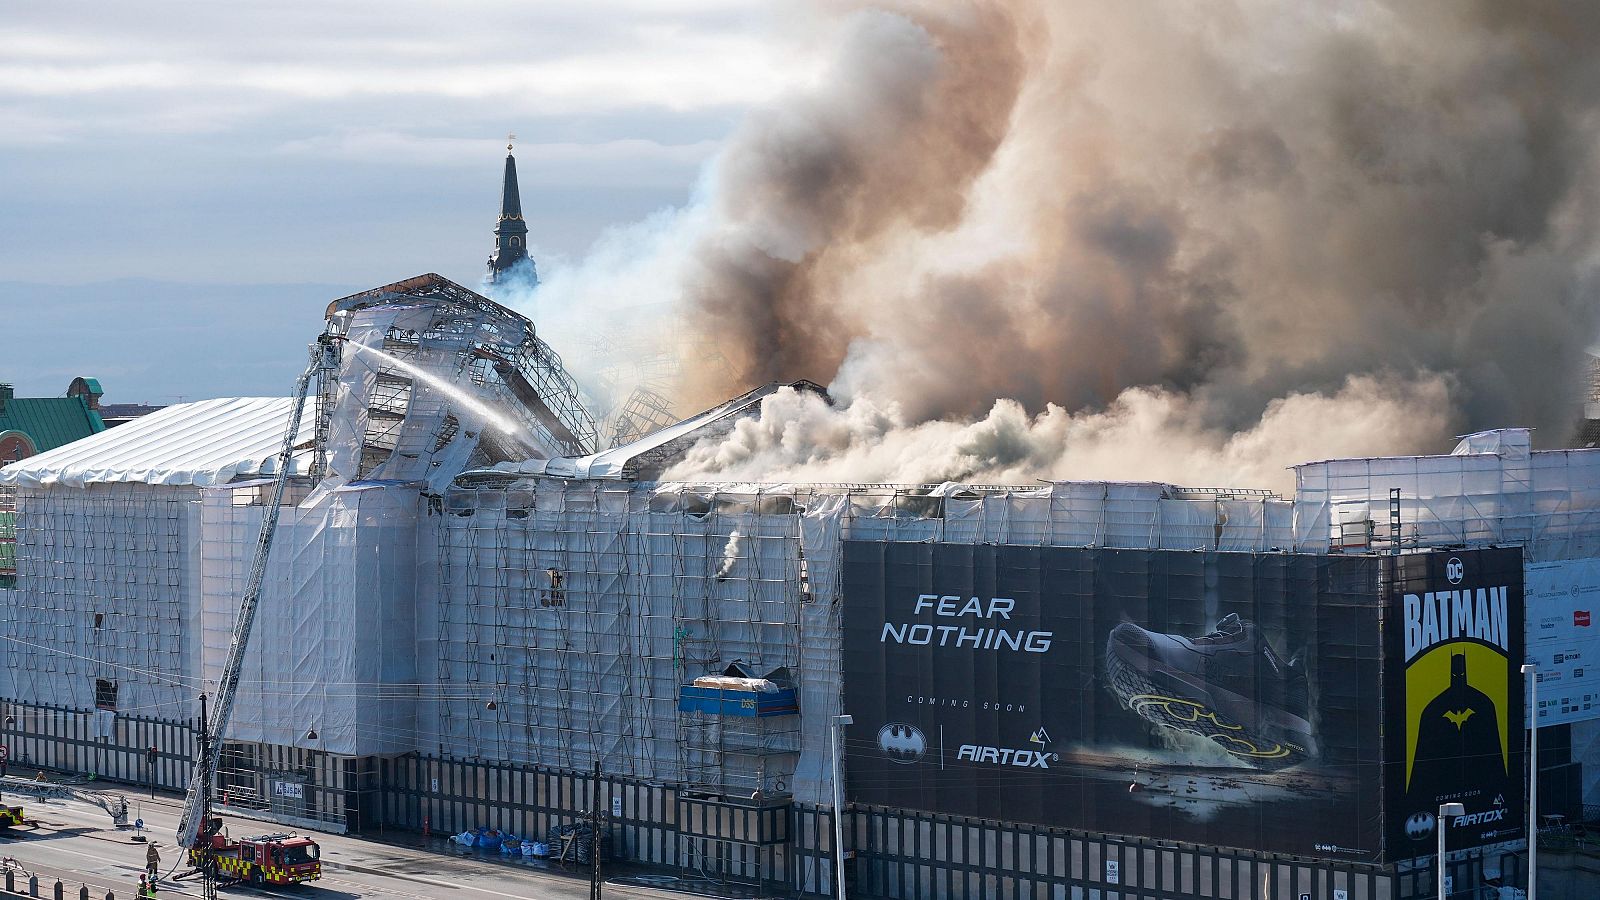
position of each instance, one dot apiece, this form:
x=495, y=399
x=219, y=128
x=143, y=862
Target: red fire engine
x=279, y=859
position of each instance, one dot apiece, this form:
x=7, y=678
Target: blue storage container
x=747, y=704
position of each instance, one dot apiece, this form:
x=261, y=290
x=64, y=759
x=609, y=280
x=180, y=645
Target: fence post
x=111, y=895
x=83, y=892
x=11, y=882
x=33, y=885
x=61, y=891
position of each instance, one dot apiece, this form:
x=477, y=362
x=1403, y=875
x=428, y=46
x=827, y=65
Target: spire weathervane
x=510, y=139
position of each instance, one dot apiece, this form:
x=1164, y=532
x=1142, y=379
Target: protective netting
x=99, y=619
x=330, y=665
x=1492, y=490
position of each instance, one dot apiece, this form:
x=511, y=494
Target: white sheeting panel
x=105, y=590
x=202, y=443
x=333, y=647
x=1490, y=490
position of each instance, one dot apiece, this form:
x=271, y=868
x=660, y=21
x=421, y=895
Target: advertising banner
x=1453, y=697
x=1215, y=698
x=1563, y=601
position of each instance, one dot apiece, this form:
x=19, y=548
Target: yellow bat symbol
x=1458, y=718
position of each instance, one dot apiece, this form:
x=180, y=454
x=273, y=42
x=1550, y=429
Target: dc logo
x=1454, y=570
x=902, y=743
x=1419, y=825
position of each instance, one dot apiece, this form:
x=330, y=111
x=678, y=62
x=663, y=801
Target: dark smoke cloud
x=1254, y=233
x=912, y=111
x=1231, y=200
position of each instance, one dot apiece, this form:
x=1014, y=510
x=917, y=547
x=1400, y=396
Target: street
x=78, y=844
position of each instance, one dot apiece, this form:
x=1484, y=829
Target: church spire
x=510, y=197
x=511, y=232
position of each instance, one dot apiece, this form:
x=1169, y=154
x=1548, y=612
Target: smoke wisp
x=1034, y=239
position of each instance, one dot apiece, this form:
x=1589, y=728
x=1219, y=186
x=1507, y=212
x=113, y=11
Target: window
x=299, y=854
x=105, y=694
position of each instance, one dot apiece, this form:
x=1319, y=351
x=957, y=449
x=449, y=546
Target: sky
x=280, y=155
x=1208, y=231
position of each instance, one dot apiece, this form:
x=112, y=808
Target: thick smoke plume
x=1192, y=243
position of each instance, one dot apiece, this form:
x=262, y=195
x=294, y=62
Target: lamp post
x=1532, y=675
x=838, y=807
x=1446, y=810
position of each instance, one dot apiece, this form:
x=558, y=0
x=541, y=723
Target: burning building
x=1062, y=686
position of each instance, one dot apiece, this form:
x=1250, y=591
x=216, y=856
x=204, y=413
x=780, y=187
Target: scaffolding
x=645, y=410
x=8, y=538
x=583, y=608
x=1493, y=490
x=98, y=618
x=468, y=338
x=586, y=606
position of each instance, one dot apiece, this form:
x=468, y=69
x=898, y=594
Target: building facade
x=464, y=620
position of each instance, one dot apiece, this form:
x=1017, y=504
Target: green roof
x=50, y=422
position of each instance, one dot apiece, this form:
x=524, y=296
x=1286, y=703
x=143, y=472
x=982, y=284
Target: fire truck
x=11, y=817
x=277, y=859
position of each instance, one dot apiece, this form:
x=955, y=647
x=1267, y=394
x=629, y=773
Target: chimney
x=5, y=395
x=88, y=389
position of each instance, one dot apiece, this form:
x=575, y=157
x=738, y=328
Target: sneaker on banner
x=1229, y=686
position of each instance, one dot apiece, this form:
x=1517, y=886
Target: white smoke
x=1025, y=239
x=1147, y=434
x=730, y=554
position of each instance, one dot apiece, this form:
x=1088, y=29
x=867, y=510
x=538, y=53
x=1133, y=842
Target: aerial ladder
x=268, y=859
x=115, y=805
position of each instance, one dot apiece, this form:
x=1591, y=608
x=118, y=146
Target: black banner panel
x=1454, y=698
x=1217, y=698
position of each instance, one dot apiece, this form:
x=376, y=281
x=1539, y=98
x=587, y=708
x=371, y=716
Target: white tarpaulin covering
x=1563, y=628
x=1492, y=490
x=332, y=651
x=201, y=443
x=104, y=592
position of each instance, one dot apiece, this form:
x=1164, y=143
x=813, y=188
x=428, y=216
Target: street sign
x=616, y=807
x=1113, y=871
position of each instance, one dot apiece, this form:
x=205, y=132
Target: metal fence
x=770, y=842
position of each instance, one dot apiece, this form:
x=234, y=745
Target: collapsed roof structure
x=465, y=575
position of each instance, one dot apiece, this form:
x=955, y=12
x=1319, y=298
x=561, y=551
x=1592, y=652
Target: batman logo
x=1458, y=718
x=1419, y=825
x=902, y=743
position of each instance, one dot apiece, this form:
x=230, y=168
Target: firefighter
x=152, y=862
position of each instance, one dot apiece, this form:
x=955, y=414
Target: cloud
x=530, y=58
x=349, y=140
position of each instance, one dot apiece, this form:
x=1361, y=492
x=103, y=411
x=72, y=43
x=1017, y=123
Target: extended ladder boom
x=197, y=806
x=115, y=805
